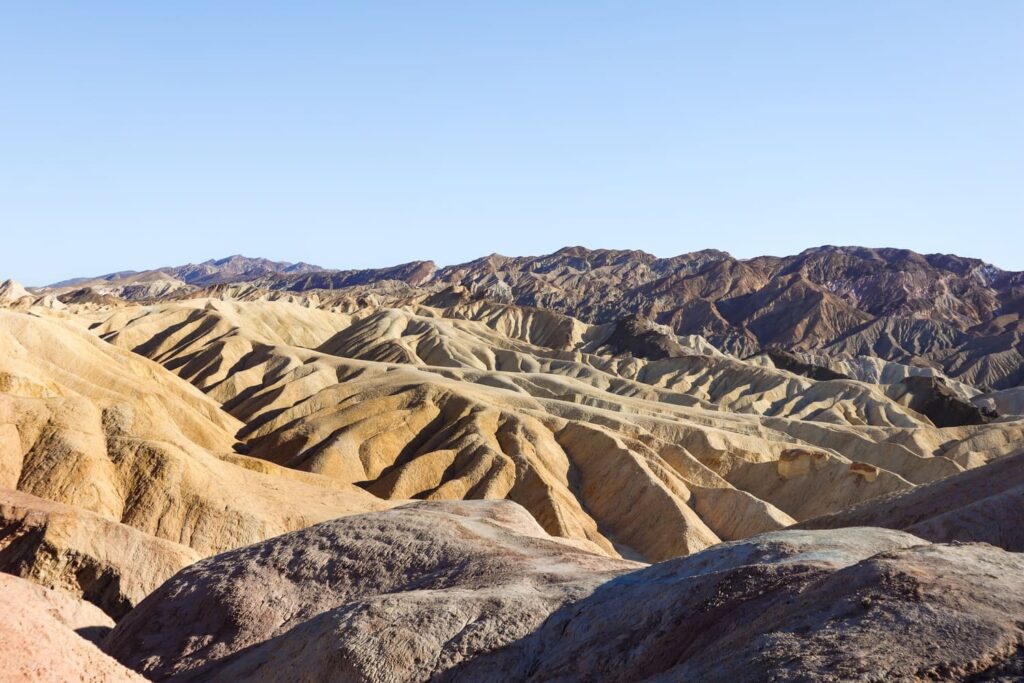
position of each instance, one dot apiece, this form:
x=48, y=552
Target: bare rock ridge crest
x=591, y=465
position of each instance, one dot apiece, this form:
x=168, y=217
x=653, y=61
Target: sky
x=363, y=134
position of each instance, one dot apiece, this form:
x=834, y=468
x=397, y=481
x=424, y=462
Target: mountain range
x=591, y=465
x=957, y=315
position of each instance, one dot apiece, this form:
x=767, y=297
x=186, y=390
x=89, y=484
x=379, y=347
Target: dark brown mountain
x=235, y=268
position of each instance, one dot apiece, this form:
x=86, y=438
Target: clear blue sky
x=353, y=134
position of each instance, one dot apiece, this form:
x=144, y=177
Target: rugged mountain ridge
x=958, y=315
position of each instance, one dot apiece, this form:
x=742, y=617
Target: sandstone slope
x=43, y=637
x=104, y=430
x=437, y=406
x=59, y=546
x=983, y=504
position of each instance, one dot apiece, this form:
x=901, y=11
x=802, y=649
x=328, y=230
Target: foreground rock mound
x=788, y=606
x=399, y=595
x=475, y=591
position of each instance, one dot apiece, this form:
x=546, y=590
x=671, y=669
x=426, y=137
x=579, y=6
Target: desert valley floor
x=590, y=465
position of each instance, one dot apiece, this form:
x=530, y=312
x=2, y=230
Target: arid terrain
x=590, y=465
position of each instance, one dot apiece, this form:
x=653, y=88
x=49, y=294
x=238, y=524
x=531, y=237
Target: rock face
x=784, y=360
x=932, y=397
x=476, y=591
x=641, y=337
x=1005, y=402
x=111, y=565
x=11, y=292
x=44, y=636
x=416, y=590
x=983, y=504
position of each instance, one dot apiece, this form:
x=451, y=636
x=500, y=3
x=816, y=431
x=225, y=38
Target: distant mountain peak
x=11, y=290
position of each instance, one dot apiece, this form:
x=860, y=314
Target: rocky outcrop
x=784, y=360
x=933, y=398
x=641, y=337
x=45, y=636
x=11, y=292
x=476, y=591
x=416, y=590
x=1005, y=402
x=111, y=565
x=89, y=295
x=791, y=606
